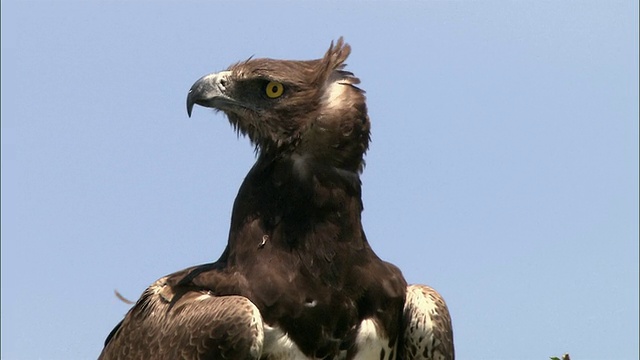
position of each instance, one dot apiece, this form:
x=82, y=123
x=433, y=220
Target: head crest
x=334, y=58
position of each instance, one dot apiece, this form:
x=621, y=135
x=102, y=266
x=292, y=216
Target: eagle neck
x=297, y=202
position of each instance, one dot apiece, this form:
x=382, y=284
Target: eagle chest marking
x=370, y=344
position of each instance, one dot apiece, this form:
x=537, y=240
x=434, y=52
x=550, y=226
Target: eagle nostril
x=223, y=82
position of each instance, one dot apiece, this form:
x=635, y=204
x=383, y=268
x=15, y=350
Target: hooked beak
x=209, y=91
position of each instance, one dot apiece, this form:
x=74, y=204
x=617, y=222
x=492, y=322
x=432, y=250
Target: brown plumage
x=298, y=278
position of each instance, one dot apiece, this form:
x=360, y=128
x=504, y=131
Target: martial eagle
x=298, y=279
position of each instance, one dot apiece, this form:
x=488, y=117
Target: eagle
x=297, y=279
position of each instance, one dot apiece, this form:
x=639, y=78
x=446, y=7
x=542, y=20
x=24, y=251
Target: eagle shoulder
x=428, y=334
x=176, y=322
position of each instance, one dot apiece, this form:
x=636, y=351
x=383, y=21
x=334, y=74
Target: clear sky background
x=503, y=169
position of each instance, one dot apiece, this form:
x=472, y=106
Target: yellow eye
x=274, y=89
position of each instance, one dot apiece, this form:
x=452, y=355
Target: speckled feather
x=192, y=325
x=428, y=334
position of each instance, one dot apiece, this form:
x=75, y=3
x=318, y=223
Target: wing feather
x=190, y=324
x=428, y=334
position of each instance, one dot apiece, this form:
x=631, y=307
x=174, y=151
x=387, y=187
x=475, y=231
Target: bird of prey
x=297, y=279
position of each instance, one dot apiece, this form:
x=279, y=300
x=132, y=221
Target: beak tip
x=190, y=104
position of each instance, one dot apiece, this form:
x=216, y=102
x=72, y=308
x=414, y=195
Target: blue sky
x=503, y=169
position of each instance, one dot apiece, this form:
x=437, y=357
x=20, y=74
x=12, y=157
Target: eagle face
x=307, y=108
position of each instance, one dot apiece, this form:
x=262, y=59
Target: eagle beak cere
x=208, y=91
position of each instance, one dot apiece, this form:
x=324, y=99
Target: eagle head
x=311, y=109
